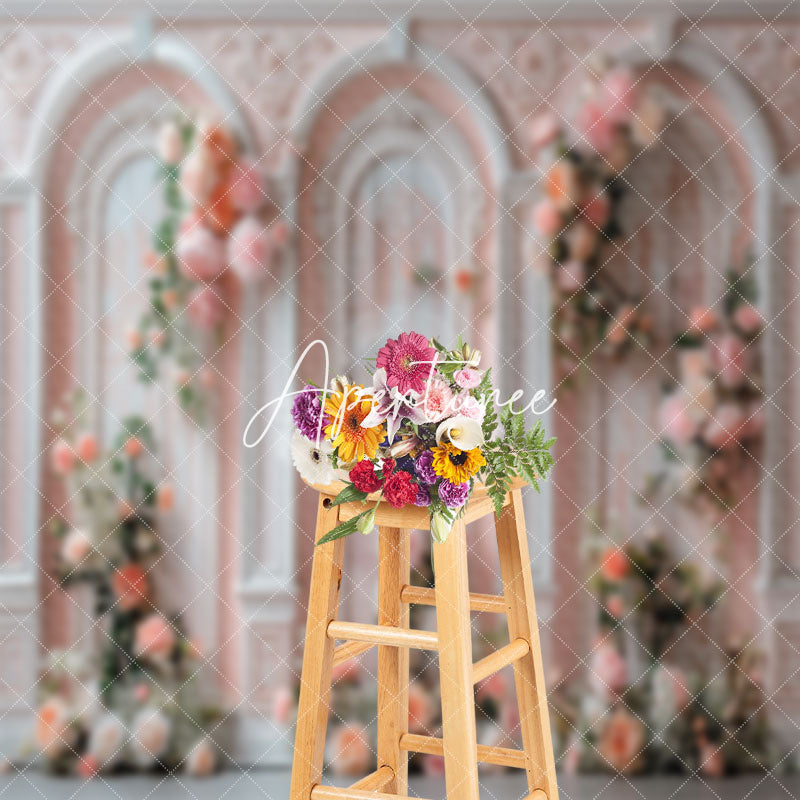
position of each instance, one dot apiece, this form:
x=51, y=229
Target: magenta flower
x=408, y=361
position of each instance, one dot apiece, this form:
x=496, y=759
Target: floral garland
x=580, y=213
x=673, y=717
x=714, y=419
x=422, y=435
x=218, y=216
x=137, y=704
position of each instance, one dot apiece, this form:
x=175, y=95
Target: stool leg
x=315, y=683
x=394, y=571
x=534, y=716
x=455, y=665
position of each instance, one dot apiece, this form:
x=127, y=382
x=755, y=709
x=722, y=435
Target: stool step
x=349, y=650
x=502, y=756
x=335, y=793
x=501, y=657
x=383, y=634
x=419, y=595
x=375, y=781
x=538, y=794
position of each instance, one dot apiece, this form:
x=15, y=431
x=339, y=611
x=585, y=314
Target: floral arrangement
x=713, y=421
x=580, y=213
x=675, y=716
x=422, y=434
x=138, y=702
x=218, y=220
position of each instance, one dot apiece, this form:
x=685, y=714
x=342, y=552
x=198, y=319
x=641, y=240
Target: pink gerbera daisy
x=408, y=361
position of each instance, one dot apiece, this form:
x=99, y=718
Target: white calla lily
x=462, y=432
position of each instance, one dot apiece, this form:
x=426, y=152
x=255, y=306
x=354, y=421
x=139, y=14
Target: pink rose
x=165, y=498
x=86, y=448
x=150, y=735
x=53, y=731
x=703, y=319
x=747, y=318
x=154, y=638
x=725, y=426
x=437, y=400
x=675, y=421
x=250, y=248
x=349, y=752
x=544, y=129
x=468, y=378
x=582, y=240
x=433, y=766
x=206, y=308
x=201, y=253
x=597, y=209
x=597, y=125
x=282, y=705
x=134, y=339
x=620, y=91
x=753, y=425
x=731, y=358
x=609, y=670
x=247, y=187
x=346, y=672
x=571, y=276
x=615, y=606
x=470, y=407
x=547, y=219
x=62, y=457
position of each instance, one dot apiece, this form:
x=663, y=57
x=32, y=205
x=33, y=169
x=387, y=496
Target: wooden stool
x=453, y=641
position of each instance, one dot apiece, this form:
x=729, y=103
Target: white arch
x=110, y=56
x=385, y=53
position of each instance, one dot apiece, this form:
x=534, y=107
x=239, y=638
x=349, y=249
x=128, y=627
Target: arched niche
x=92, y=164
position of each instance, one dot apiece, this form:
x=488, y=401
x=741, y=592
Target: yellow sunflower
x=346, y=411
x=457, y=466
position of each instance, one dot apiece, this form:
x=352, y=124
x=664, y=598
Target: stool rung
x=419, y=595
x=375, y=781
x=320, y=792
x=349, y=650
x=537, y=794
x=383, y=634
x=501, y=657
x=502, y=756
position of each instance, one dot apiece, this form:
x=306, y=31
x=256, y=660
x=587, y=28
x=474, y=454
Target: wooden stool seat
x=452, y=640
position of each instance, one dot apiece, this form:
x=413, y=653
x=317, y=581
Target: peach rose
x=703, y=319
x=676, y=421
x=621, y=94
x=725, y=426
x=597, y=125
x=87, y=767
x=169, y=144
x=547, y=219
x=86, y=448
x=165, y=498
x=614, y=564
x=198, y=177
x=202, y=760
x=131, y=586
x=571, y=276
x=350, y=753
x=615, y=605
x=247, y=187
x=562, y=185
x=106, y=740
x=134, y=339
x=544, y=129
x=150, y=733
x=622, y=741
x=155, y=638
x=597, y=209
x=582, y=239
x=75, y=547
x=62, y=457
x=53, y=732
x=732, y=357
x=133, y=447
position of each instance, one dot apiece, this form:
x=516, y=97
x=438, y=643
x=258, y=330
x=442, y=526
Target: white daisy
x=312, y=462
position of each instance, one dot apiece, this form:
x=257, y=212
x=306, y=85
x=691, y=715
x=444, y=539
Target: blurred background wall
x=397, y=139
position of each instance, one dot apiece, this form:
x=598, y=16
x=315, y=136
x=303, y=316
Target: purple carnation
x=307, y=410
x=454, y=495
x=423, y=497
x=423, y=466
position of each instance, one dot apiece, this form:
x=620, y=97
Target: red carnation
x=399, y=490
x=364, y=478
x=387, y=468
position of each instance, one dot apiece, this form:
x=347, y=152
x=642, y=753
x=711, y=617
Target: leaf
x=349, y=494
x=343, y=529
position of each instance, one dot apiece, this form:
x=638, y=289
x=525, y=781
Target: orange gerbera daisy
x=347, y=410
